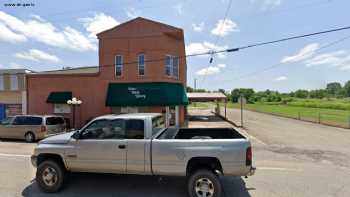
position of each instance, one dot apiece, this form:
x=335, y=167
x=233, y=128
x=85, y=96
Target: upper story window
x=14, y=82
x=168, y=65
x=118, y=61
x=176, y=67
x=2, y=86
x=141, y=62
x=172, y=66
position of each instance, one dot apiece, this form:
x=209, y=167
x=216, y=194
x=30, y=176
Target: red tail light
x=43, y=129
x=249, y=157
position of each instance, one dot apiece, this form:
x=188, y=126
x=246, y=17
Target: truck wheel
x=50, y=176
x=204, y=183
x=29, y=137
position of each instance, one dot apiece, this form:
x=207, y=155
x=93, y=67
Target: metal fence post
x=319, y=117
x=349, y=121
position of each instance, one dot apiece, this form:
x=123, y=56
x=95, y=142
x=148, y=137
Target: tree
x=333, y=88
x=246, y=92
x=321, y=93
x=347, y=89
x=301, y=93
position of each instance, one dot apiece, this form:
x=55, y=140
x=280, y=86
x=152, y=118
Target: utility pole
x=195, y=83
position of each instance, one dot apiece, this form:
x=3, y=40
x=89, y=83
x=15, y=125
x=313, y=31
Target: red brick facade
x=138, y=36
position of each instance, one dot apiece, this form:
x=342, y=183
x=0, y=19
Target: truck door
x=100, y=148
x=136, y=142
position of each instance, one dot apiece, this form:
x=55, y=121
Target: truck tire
x=204, y=183
x=50, y=176
x=29, y=137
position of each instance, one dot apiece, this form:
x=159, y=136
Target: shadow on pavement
x=83, y=184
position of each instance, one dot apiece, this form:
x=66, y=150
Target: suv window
x=7, y=121
x=28, y=120
x=54, y=120
x=134, y=129
x=104, y=129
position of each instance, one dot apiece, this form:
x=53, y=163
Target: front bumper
x=251, y=171
x=33, y=159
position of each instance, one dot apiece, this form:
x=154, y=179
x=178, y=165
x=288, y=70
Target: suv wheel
x=50, y=176
x=204, y=183
x=29, y=137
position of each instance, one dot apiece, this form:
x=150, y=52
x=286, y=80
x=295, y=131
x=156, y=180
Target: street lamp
x=74, y=102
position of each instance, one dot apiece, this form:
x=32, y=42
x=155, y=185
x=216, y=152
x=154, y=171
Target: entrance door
x=2, y=112
x=101, y=148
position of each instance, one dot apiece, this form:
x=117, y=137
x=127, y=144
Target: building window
x=2, y=86
x=168, y=65
x=61, y=109
x=14, y=82
x=141, y=60
x=176, y=67
x=118, y=61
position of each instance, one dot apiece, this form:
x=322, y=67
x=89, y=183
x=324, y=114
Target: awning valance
x=146, y=94
x=59, y=97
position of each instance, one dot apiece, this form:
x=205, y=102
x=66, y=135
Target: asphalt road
x=293, y=159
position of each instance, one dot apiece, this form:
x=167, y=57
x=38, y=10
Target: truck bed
x=201, y=133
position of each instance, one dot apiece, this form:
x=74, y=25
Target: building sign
x=62, y=109
x=136, y=93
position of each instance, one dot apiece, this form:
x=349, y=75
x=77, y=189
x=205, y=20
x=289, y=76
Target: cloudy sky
x=50, y=35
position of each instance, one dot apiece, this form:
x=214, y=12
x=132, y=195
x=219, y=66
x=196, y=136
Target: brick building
x=139, y=71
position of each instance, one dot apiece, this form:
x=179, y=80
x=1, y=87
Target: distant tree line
x=332, y=90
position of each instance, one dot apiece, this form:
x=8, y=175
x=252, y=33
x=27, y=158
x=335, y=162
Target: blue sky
x=53, y=34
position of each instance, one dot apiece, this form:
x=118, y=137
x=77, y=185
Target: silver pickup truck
x=140, y=144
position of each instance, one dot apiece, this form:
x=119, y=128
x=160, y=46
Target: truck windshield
x=158, y=124
x=7, y=121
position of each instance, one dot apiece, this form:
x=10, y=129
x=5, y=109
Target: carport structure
x=208, y=97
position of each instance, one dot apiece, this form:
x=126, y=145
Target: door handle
x=121, y=146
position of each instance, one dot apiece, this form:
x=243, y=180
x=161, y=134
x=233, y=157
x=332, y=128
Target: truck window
x=158, y=124
x=134, y=129
x=104, y=129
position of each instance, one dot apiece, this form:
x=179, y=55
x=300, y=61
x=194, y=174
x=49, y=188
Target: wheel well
x=210, y=163
x=48, y=156
x=29, y=132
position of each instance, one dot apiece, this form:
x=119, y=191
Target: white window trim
x=115, y=65
x=2, y=83
x=178, y=68
x=14, y=86
x=170, y=65
x=144, y=64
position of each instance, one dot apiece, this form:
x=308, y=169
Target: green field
x=323, y=115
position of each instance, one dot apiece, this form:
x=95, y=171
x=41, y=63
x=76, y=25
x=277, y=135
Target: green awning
x=146, y=94
x=59, y=97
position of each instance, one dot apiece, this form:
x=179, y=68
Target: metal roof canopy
x=206, y=96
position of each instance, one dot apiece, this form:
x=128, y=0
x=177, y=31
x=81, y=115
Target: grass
x=329, y=116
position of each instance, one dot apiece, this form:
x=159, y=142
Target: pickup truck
x=140, y=144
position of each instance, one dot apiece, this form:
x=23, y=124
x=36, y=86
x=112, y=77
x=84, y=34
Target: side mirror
x=76, y=135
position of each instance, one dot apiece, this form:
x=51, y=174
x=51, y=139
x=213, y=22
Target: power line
x=279, y=64
x=245, y=46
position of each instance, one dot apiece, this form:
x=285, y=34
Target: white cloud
x=179, y=8
x=303, y=54
x=266, y=4
x=211, y=70
x=45, y=32
x=38, y=56
x=339, y=59
x=132, y=13
x=9, y=36
x=224, y=27
x=197, y=47
x=16, y=66
x=198, y=27
x=221, y=65
x=98, y=23
x=281, y=78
